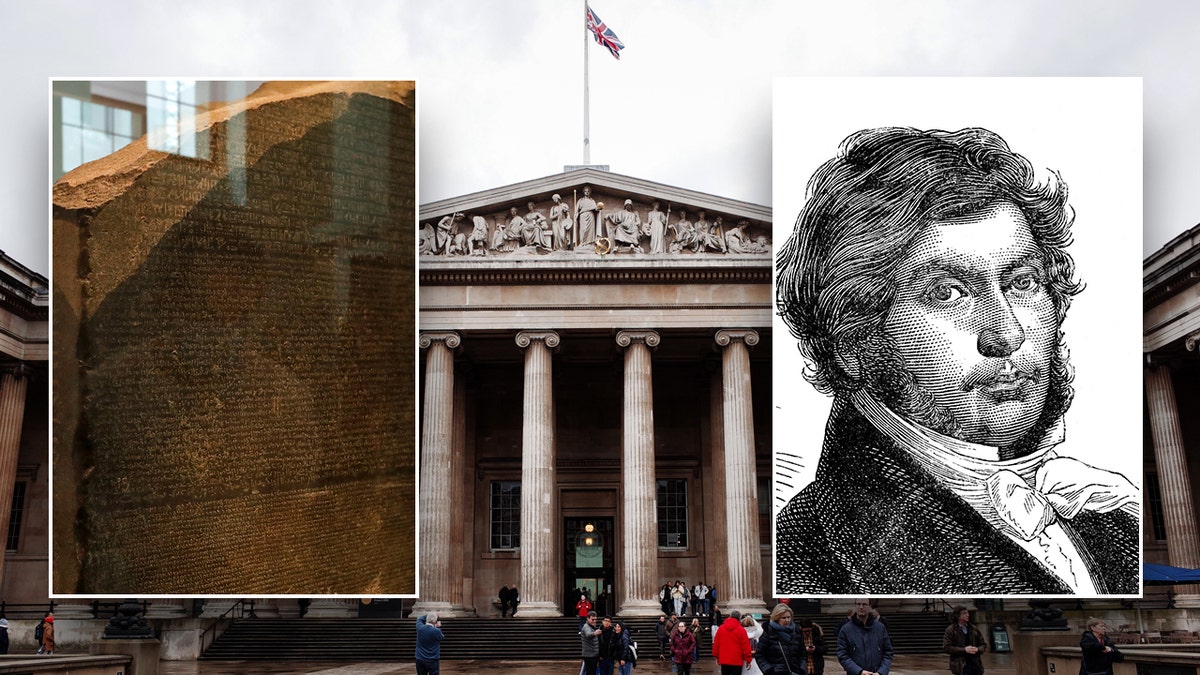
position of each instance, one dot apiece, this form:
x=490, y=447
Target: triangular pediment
x=500, y=222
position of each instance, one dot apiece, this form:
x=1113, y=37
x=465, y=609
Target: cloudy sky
x=689, y=103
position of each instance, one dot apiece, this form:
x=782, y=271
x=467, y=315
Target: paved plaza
x=924, y=664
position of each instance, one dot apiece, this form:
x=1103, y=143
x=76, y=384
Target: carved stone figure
x=560, y=223
x=737, y=240
x=627, y=227
x=477, y=243
x=587, y=215
x=427, y=240
x=537, y=229
x=656, y=229
x=444, y=232
x=707, y=235
x=505, y=238
x=684, y=231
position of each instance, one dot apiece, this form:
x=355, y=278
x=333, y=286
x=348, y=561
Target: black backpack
x=39, y=631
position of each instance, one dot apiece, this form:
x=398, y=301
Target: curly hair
x=866, y=206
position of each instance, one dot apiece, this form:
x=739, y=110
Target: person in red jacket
x=731, y=645
x=582, y=608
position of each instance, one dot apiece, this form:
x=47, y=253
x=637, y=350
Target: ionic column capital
x=450, y=339
x=528, y=337
x=648, y=337
x=1191, y=341
x=725, y=336
x=17, y=370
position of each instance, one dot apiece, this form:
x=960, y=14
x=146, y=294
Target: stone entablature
x=589, y=214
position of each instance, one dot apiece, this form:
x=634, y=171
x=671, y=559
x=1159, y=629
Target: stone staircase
x=472, y=638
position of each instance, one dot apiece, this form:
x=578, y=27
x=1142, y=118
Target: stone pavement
x=905, y=664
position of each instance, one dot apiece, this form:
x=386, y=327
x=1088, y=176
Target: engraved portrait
x=928, y=284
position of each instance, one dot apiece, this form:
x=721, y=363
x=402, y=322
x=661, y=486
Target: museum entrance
x=588, y=548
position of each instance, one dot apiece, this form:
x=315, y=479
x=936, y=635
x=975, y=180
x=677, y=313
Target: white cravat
x=1001, y=492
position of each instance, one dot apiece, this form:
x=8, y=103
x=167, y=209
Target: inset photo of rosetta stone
x=233, y=338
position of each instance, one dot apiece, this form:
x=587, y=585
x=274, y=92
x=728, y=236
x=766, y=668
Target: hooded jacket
x=731, y=645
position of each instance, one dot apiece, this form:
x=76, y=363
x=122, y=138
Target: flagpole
x=587, y=150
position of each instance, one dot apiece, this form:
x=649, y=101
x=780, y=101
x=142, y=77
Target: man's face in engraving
x=975, y=325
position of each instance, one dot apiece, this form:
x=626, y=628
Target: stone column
x=457, y=502
x=14, y=380
x=638, y=581
x=540, y=564
x=1183, y=542
x=717, y=563
x=436, y=479
x=166, y=608
x=741, y=474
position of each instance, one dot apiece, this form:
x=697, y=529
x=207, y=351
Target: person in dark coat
x=3, y=636
x=505, y=600
x=662, y=635
x=781, y=648
x=964, y=643
x=1099, y=653
x=863, y=644
x=814, y=646
x=622, y=652
x=946, y=408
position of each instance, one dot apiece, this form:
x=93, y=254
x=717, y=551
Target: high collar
x=954, y=462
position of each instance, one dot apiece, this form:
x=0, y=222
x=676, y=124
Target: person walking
x=964, y=643
x=1099, y=652
x=781, y=648
x=731, y=645
x=40, y=631
x=48, y=635
x=754, y=632
x=429, y=644
x=683, y=648
x=582, y=608
x=814, y=646
x=3, y=636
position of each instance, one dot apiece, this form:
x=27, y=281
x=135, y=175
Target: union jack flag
x=604, y=35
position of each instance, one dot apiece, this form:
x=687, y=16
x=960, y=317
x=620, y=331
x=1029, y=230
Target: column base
x=745, y=606
x=537, y=609
x=640, y=608
x=423, y=607
x=330, y=608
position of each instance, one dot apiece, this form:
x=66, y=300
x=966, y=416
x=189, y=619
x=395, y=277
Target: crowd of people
x=743, y=646
x=680, y=600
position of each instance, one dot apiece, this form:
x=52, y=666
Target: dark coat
x=816, y=660
x=864, y=646
x=955, y=643
x=1095, y=659
x=874, y=522
x=780, y=650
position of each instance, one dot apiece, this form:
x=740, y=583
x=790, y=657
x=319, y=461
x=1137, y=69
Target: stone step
x=490, y=638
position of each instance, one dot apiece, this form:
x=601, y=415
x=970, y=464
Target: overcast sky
x=689, y=103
